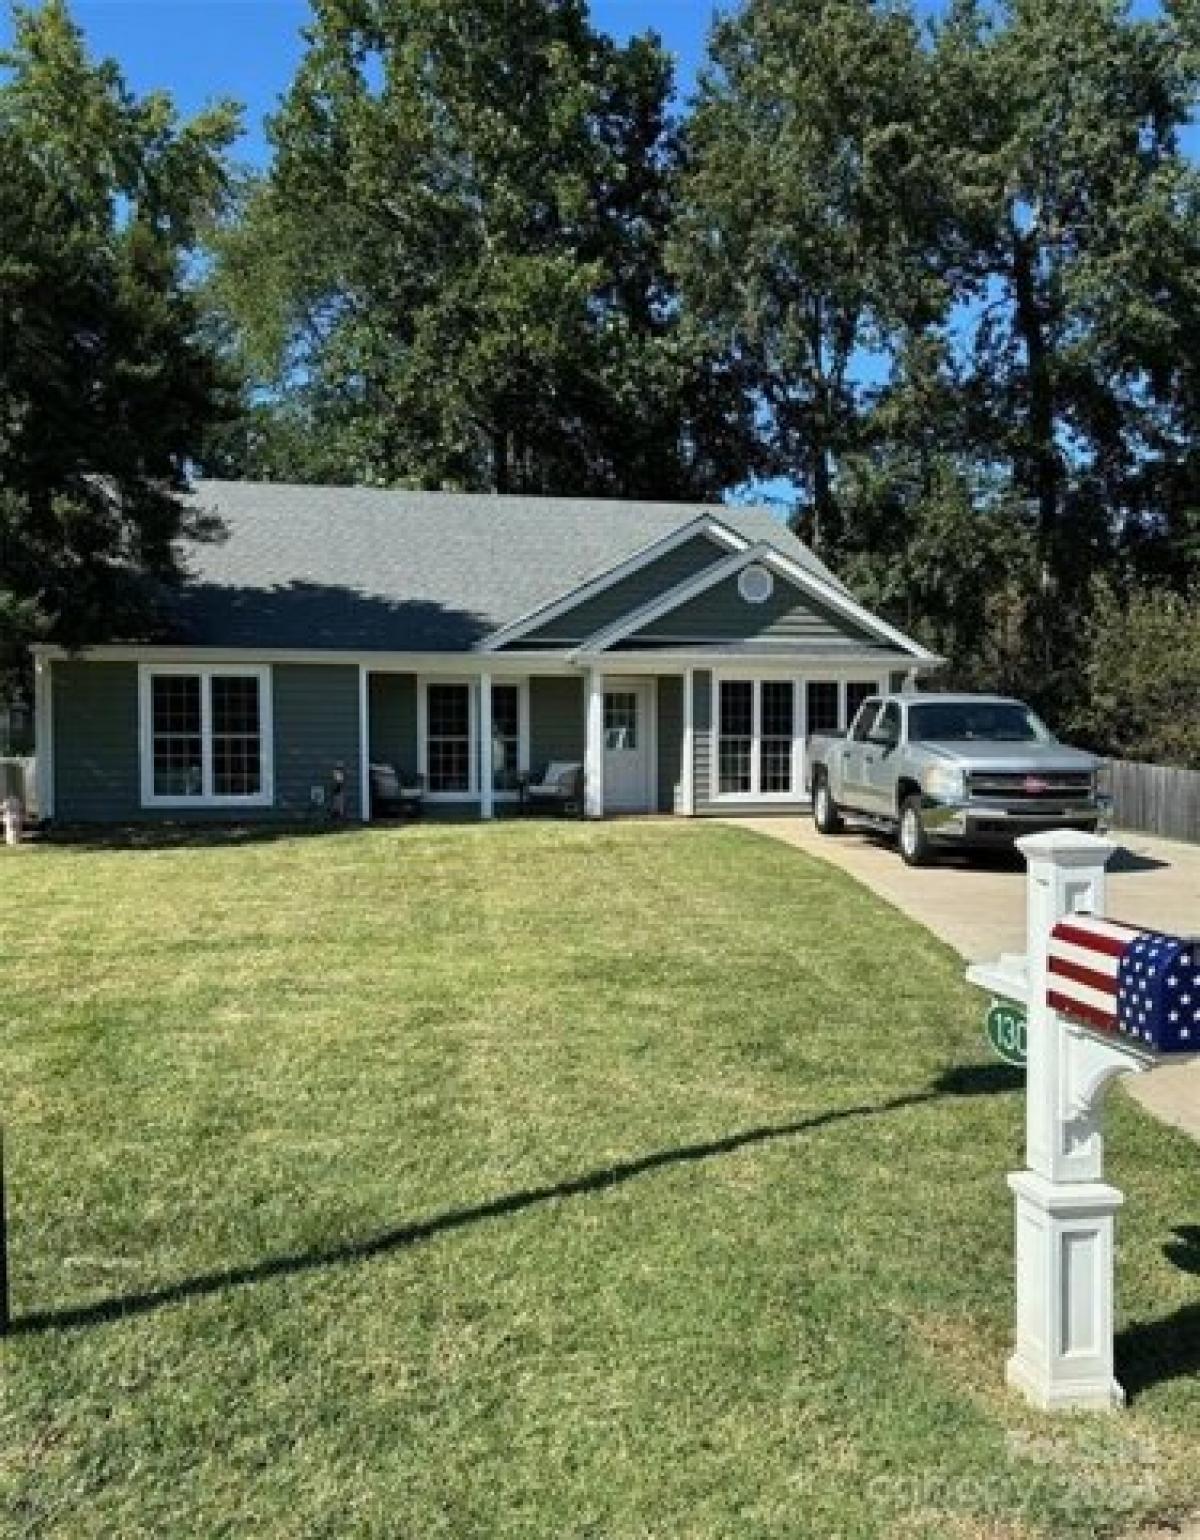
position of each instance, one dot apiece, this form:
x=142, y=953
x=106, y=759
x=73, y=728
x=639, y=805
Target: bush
x=1143, y=676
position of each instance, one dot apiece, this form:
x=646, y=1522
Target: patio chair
x=559, y=790
x=394, y=792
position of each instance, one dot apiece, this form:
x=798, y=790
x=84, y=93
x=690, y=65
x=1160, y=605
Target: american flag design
x=1118, y=978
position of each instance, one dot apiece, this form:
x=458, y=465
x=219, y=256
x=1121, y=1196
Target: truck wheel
x=825, y=813
x=915, y=846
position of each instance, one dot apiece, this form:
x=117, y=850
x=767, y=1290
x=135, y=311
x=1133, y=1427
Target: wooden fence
x=1157, y=799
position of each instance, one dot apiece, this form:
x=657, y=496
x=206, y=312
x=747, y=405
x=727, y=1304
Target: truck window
x=864, y=721
x=888, y=725
x=974, y=721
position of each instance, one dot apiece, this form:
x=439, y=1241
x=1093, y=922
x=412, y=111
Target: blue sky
x=199, y=50
x=248, y=49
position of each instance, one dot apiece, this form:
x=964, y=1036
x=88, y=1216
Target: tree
x=453, y=274
x=807, y=212
x=106, y=386
x=1143, y=671
x=1076, y=233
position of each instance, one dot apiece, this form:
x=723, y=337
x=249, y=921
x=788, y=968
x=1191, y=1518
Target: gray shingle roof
x=359, y=568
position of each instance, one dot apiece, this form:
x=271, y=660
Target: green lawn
x=617, y=1181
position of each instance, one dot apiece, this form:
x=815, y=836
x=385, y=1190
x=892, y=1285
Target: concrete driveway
x=979, y=909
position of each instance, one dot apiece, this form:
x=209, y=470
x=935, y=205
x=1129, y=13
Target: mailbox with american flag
x=1118, y=978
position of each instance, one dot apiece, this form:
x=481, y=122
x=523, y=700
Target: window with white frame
x=448, y=738
x=824, y=706
x=832, y=704
x=205, y=736
x=450, y=754
x=757, y=728
x=735, y=738
x=777, y=735
x=857, y=691
x=506, y=736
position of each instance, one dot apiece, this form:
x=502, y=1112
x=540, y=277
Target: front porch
x=691, y=741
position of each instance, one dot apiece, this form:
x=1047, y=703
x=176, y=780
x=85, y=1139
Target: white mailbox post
x=1065, y=1211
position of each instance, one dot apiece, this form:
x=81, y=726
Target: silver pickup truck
x=959, y=771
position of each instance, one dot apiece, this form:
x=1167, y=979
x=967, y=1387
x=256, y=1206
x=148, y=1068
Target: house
x=681, y=653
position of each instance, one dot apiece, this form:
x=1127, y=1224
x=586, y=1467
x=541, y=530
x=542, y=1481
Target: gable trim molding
x=705, y=524
x=807, y=583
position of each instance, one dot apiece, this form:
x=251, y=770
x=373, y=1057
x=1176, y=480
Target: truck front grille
x=1031, y=786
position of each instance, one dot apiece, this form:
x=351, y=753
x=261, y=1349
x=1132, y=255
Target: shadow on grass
x=1152, y=1352
x=1184, y=1250
x=964, y=1080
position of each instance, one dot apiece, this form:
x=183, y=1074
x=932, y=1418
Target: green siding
x=394, y=720
x=670, y=740
x=720, y=614
x=96, y=768
x=316, y=728
x=639, y=588
x=556, y=725
x=701, y=738
x=96, y=763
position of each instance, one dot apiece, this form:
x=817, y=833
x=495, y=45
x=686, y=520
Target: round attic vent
x=755, y=584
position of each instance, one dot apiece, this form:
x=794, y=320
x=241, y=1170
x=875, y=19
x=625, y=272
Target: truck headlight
x=946, y=782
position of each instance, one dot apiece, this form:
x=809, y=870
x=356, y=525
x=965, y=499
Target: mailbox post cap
x=1066, y=847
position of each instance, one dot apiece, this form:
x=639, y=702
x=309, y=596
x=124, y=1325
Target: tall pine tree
x=107, y=386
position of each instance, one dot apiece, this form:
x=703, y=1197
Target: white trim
x=705, y=524
x=689, y=743
x=470, y=684
x=364, y=743
x=593, y=753
x=808, y=583
x=800, y=682
x=602, y=640
x=265, y=796
x=480, y=759
x=755, y=794
x=674, y=661
x=508, y=665
x=43, y=736
x=645, y=688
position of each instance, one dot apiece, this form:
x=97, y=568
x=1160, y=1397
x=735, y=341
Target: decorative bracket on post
x=1091, y=1065
x=1103, y=1000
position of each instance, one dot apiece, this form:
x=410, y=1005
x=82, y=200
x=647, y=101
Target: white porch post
x=689, y=743
x=43, y=737
x=593, y=759
x=487, y=805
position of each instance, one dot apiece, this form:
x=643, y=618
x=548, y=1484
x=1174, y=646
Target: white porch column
x=593, y=758
x=43, y=737
x=689, y=743
x=487, y=806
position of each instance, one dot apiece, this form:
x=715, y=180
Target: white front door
x=628, y=784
